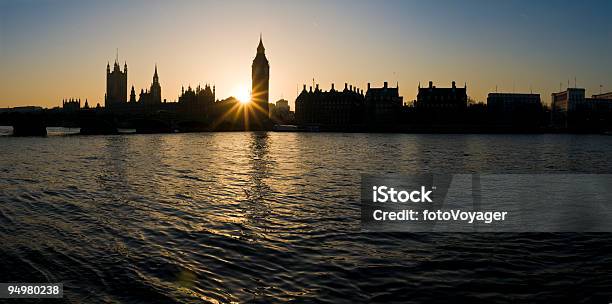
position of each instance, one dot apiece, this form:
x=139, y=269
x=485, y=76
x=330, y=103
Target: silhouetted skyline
x=51, y=50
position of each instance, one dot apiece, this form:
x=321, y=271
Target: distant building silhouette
x=116, y=85
x=330, y=107
x=156, y=88
x=567, y=100
x=515, y=108
x=571, y=109
x=271, y=110
x=563, y=103
x=22, y=109
x=198, y=102
x=601, y=103
x=71, y=105
x=602, y=96
x=151, y=98
x=132, y=96
x=452, y=98
x=282, y=106
x=260, y=77
x=280, y=112
x=383, y=105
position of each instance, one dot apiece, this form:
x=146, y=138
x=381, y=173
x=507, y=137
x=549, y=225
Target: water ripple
x=263, y=218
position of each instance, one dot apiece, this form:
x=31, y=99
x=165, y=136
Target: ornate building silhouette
x=156, y=88
x=116, y=85
x=197, y=103
x=132, y=95
x=350, y=107
x=152, y=96
x=330, y=108
x=260, y=83
x=71, y=104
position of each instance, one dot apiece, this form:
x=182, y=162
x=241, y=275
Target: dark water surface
x=256, y=217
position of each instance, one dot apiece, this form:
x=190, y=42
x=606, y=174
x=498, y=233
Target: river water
x=274, y=217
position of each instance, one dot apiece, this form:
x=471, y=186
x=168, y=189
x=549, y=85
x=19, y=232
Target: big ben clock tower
x=260, y=84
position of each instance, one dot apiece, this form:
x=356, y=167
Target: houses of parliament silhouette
x=197, y=105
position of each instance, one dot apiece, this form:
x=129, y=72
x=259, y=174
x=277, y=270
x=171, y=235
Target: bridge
x=98, y=122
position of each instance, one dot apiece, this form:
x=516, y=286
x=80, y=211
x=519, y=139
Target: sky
x=54, y=49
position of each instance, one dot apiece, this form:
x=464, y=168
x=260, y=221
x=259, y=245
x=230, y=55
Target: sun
x=242, y=93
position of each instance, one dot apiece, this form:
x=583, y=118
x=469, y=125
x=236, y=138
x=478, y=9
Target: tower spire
x=117, y=56
x=155, y=76
x=260, y=47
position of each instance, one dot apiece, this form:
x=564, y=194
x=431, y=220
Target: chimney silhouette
x=454, y=84
x=332, y=86
x=430, y=84
x=368, y=85
x=385, y=84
